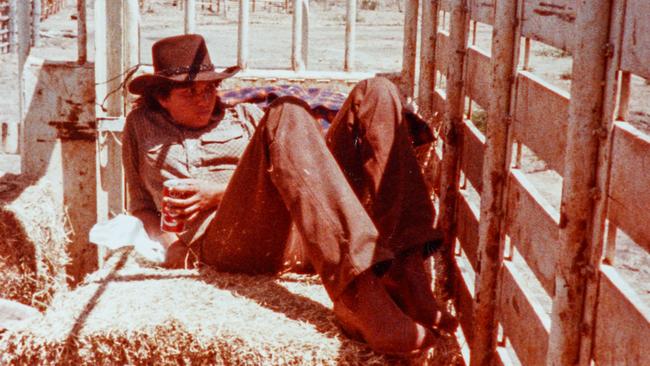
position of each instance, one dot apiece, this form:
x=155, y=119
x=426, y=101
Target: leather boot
x=367, y=313
x=408, y=284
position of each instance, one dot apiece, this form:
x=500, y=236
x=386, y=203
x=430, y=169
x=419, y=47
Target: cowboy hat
x=180, y=59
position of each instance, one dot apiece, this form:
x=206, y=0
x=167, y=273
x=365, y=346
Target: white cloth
x=125, y=230
x=13, y=314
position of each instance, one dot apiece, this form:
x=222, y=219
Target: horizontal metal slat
x=482, y=11
x=636, y=39
x=540, y=119
x=524, y=323
x=629, y=196
x=622, y=335
x=479, y=72
x=550, y=21
x=467, y=217
x=442, y=52
x=473, y=152
x=532, y=225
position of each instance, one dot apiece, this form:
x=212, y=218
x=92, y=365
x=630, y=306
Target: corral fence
x=40, y=10
x=531, y=276
x=533, y=269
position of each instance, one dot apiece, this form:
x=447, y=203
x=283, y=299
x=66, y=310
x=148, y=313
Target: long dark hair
x=149, y=99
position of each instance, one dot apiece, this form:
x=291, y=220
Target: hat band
x=185, y=70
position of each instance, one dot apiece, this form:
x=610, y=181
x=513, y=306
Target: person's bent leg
x=339, y=237
x=371, y=142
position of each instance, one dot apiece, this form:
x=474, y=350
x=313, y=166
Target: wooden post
x=37, y=10
x=427, y=56
x=350, y=34
x=190, y=16
x=82, y=50
x=452, y=130
x=409, y=57
x=297, y=62
x=243, y=39
x=580, y=189
x=495, y=173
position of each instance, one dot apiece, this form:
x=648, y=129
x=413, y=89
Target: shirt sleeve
x=138, y=197
x=251, y=115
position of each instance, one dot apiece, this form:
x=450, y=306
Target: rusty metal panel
x=472, y=155
x=467, y=229
x=479, y=72
x=442, y=52
x=636, y=41
x=541, y=115
x=622, y=334
x=532, y=225
x=521, y=320
x=629, y=196
x=482, y=11
x=550, y=21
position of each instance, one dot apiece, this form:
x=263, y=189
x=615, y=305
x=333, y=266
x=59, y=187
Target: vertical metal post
x=409, y=57
x=131, y=55
x=12, y=26
x=297, y=62
x=243, y=39
x=452, y=129
x=37, y=10
x=427, y=56
x=190, y=16
x=617, y=25
x=495, y=172
x=580, y=188
x=24, y=44
x=82, y=33
x=350, y=34
x=304, y=50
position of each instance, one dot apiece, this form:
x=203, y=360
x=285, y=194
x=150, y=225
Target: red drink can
x=168, y=221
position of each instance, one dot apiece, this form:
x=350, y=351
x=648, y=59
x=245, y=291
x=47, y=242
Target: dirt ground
x=379, y=48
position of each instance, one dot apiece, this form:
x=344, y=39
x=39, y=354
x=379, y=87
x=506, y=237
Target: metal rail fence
x=530, y=277
x=40, y=10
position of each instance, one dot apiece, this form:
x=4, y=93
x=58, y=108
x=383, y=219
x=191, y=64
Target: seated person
x=357, y=196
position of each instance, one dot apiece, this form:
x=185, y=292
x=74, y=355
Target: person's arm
x=140, y=202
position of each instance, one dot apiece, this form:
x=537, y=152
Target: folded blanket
x=324, y=104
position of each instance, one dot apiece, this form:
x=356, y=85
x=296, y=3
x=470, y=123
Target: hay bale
x=127, y=313
x=32, y=242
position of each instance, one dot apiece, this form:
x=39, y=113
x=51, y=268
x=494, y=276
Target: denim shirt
x=155, y=149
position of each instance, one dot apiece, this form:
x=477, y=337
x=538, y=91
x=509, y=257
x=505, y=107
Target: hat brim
x=140, y=84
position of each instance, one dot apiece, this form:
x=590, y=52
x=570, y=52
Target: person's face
x=192, y=105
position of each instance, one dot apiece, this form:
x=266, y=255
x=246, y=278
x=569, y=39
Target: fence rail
x=40, y=10
x=515, y=257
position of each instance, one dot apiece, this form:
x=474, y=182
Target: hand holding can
x=169, y=218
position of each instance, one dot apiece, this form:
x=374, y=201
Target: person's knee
x=380, y=88
x=290, y=113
